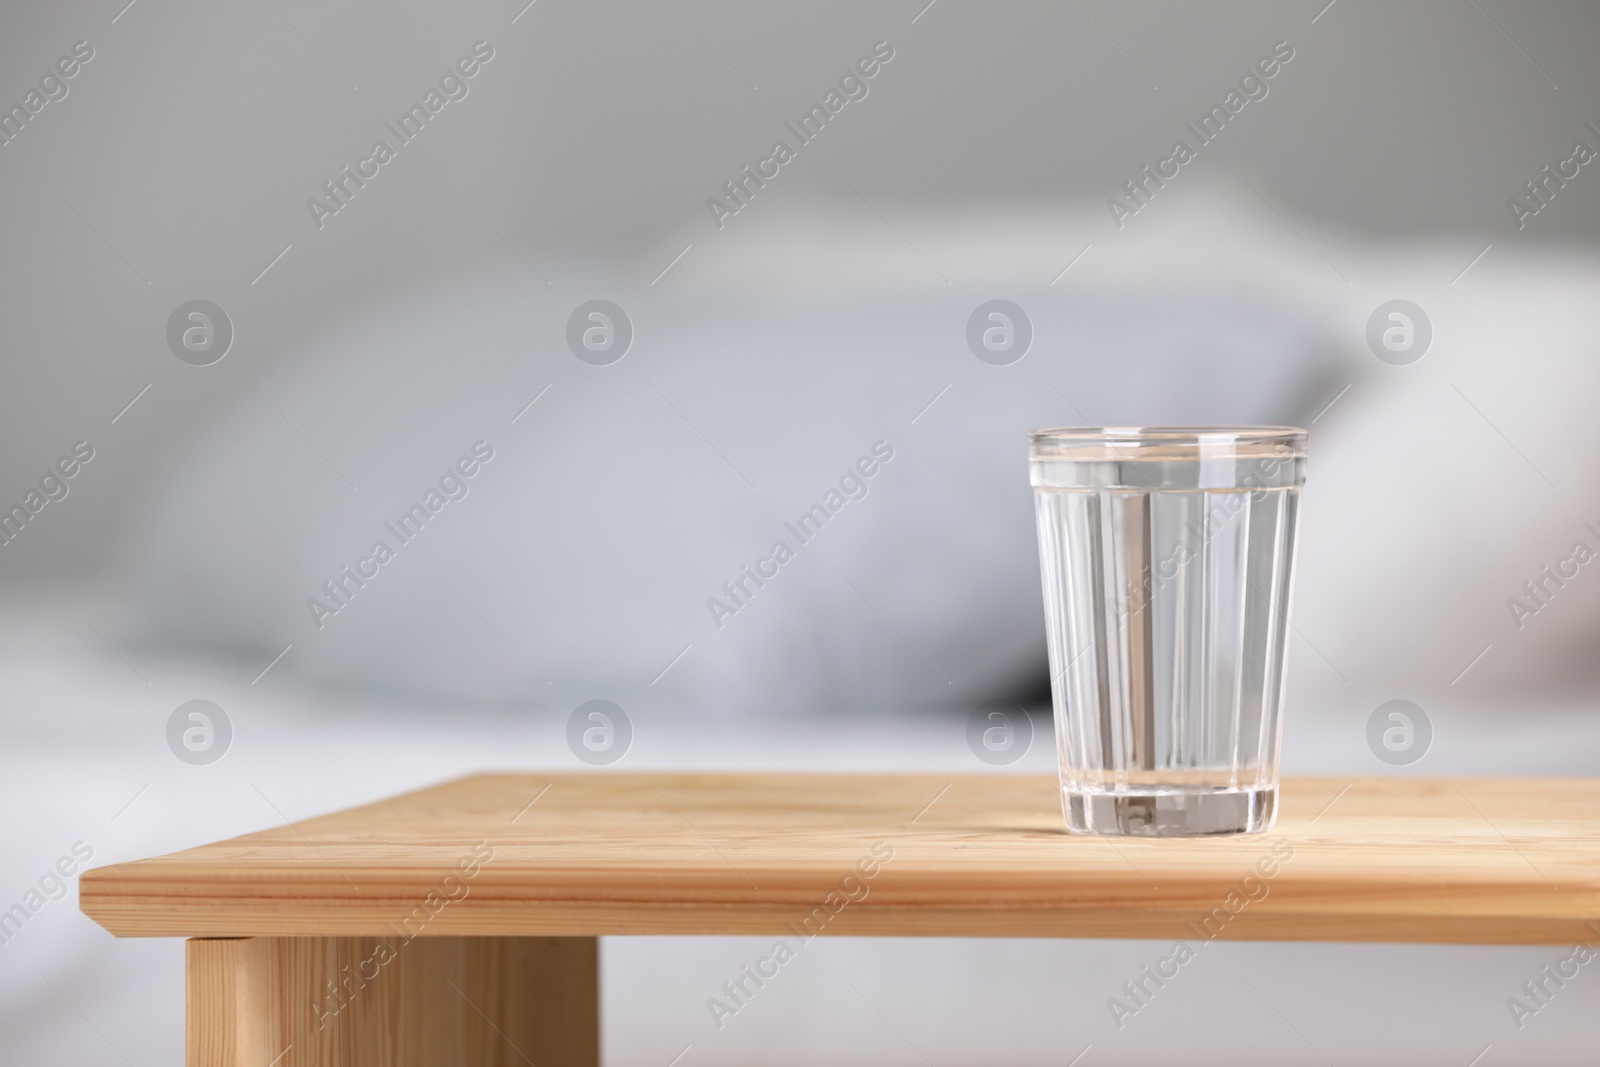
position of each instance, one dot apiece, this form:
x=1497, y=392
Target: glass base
x=1171, y=812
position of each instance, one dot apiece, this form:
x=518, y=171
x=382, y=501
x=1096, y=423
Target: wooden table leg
x=388, y=1002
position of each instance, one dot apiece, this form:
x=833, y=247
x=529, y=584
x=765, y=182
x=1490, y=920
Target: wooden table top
x=1494, y=861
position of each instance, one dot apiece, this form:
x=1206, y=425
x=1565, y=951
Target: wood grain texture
x=385, y=1002
x=1384, y=859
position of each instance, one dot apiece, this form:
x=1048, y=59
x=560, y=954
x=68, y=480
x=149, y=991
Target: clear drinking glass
x=1167, y=555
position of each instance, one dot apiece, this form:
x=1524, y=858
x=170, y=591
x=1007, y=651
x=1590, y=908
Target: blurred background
x=376, y=323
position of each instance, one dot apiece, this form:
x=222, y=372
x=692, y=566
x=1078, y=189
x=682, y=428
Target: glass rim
x=1165, y=434
x=1204, y=438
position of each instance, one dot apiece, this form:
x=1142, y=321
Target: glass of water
x=1167, y=555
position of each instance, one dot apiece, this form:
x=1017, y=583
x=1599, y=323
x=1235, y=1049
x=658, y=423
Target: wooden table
x=457, y=925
